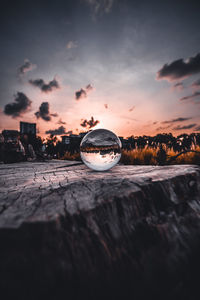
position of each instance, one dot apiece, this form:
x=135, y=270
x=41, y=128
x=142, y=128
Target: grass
x=147, y=156
x=139, y=157
x=189, y=158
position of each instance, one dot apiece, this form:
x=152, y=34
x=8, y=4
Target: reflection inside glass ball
x=100, y=149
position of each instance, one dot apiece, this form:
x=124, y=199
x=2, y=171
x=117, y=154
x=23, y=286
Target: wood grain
x=129, y=233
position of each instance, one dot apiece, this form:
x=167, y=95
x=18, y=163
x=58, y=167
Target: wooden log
x=67, y=232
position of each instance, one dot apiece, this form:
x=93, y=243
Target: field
x=149, y=156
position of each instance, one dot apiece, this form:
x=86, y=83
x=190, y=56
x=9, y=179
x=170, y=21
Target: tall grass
x=147, y=156
x=189, y=158
x=139, y=157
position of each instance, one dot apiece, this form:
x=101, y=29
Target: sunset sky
x=134, y=66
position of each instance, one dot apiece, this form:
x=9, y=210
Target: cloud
x=184, y=127
x=178, y=86
x=190, y=97
x=26, y=67
x=44, y=112
x=163, y=127
x=132, y=108
x=45, y=87
x=71, y=45
x=84, y=123
x=197, y=128
x=176, y=120
x=196, y=84
x=80, y=94
x=54, y=115
x=106, y=106
x=83, y=93
x=60, y=122
x=99, y=7
x=89, y=88
x=89, y=123
x=60, y=130
x=20, y=105
x=180, y=69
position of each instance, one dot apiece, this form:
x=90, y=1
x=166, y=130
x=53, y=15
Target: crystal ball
x=100, y=149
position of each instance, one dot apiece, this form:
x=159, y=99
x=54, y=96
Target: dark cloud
x=184, y=127
x=132, y=108
x=106, y=106
x=44, y=112
x=26, y=67
x=84, y=123
x=178, y=86
x=45, y=87
x=20, y=105
x=83, y=93
x=60, y=122
x=180, y=69
x=176, y=120
x=60, y=130
x=89, y=123
x=196, y=84
x=190, y=97
x=80, y=94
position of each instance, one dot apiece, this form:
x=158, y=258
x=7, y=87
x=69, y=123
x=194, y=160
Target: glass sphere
x=100, y=149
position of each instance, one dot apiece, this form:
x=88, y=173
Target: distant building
x=71, y=142
x=70, y=139
x=28, y=128
x=65, y=140
x=73, y=138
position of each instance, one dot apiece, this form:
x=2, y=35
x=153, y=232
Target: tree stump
x=67, y=232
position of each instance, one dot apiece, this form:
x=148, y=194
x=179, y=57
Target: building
x=28, y=128
x=73, y=138
x=71, y=142
x=65, y=139
x=70, y=139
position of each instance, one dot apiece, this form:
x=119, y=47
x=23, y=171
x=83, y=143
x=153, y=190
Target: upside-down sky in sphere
x=132, y=67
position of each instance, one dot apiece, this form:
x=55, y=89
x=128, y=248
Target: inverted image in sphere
x=100, y=149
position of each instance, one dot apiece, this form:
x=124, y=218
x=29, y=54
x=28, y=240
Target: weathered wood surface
x=67, y=232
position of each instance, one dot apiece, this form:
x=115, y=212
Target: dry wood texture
x=67, y=232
